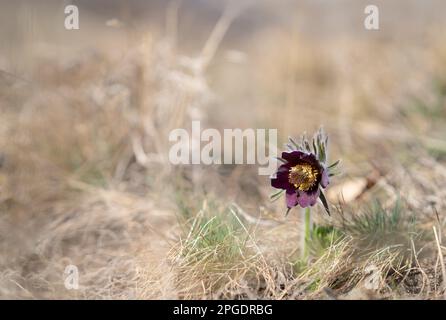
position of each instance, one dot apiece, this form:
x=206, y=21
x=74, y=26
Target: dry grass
x=85, y=180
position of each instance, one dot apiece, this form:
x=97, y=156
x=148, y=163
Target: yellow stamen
x=303, y=176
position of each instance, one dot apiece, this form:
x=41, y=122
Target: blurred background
x=85, y=117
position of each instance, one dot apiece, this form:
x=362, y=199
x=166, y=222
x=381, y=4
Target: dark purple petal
x=291, y=198
x=281, y=179
x=324, y=179
x=293, y=157
x=307, y=198
x=311, y=159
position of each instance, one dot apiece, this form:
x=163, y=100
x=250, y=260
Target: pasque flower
x=303, y=173
x=301, y=177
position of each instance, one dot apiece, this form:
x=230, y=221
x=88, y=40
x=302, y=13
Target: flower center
x=303, y=176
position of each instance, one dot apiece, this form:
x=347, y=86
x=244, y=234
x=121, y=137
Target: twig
x=256, y=221
x=217, y=34
x=440, y=256
x=141, y=156
x=247, y=233
x=172, y=21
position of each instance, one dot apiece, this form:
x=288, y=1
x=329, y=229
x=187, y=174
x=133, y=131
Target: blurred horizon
x=26, y=23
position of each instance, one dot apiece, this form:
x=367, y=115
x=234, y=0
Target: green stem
x=307, y=234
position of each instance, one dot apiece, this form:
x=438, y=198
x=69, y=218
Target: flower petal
x=308, y=198
x=281, y=179
x=311, y=158
x=293, y=156
x=291, y=198
x=324, y=179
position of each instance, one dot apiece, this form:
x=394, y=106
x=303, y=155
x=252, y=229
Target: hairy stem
x=307, y=234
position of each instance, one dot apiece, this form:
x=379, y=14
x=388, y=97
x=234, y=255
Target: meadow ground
x=85, y=178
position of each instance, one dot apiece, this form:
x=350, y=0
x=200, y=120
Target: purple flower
x=303, y=173
x=301, y=177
